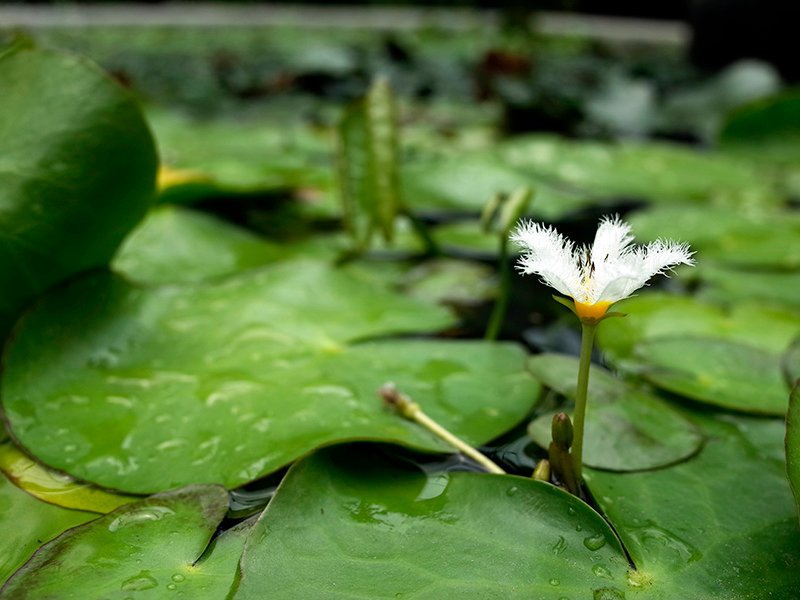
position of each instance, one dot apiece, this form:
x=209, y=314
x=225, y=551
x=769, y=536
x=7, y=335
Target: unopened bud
x=562, y=431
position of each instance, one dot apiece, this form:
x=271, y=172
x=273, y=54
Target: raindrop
x=177, y=578
x=595, y=542
x=150, y=513
x=560, y=545
x=602, y=572
x=571, y=511
x=172, y=587
x=142, y=581
x=512, y=490
x=608, y=594
x=555, y=582
x=578, y=527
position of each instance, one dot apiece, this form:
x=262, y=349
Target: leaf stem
x=411, y=411
x=579, y=417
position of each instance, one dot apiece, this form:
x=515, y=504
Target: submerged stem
x=411, y=411
x=579, y=417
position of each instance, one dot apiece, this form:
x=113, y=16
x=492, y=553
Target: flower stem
x=587, y=341
x=411, y=411
x=501, y=304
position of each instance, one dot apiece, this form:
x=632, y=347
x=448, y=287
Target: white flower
x=595, y=277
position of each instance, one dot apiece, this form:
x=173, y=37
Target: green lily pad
x=467, y=237
x=145, y=389
x=722, y=373
x=77, y=172
x=766, y=129
x=720, y=526
x=240, y=156
x=466, y=183
x=56, y=488
x=362, y=527
x=626, y=429
x=656, y=172
x=144, y=550
x=766, y=239
x=730, y=285
x=27, y=523
x=652, y=316
x=793, y=442
x=176, y=244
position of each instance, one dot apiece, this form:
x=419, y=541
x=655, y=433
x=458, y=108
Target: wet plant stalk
x=411, y=411
x=501, y=305
x=579, y=418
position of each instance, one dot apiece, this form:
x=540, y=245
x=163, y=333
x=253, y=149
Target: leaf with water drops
x=77, y=172
x=54, y=487
x=720, y=526
x=364, y=525
x=27, y=523
x=717, y=372
x=149, y=549
x=146, y=389
x=627, y=429
x=793, y=442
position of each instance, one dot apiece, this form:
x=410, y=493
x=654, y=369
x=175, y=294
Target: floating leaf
x=767, y=129
x=361, y=526
x=77, y=172
x=176, y=245
x=652, y=316
x=720, y=526
x=793, y=443
x=761, y=239
x=146, y=389
x=56, y=488
x=655, y=172
x=767, y=288
x=27, y=523
x=148, y=549
x=626, y=429
x=718, y=372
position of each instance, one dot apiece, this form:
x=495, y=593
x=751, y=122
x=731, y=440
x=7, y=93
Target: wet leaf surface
x=627, y=429
x=148, y=389
x=53, y=487
x=27, y=523
x=148, y=549
x=346, y=514
x=719, y=526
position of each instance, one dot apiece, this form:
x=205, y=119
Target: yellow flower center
x=591, y=311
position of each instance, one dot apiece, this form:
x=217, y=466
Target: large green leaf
x=27, y=523
x=652, y=316
x=55, y=488
x=735, y=376
x=77, y=172
x=146, y=389
x=627, y=429
x=346, y=524
x=145, y=550
x=656, y=172
x=767, y=129
x=176, y=244
x=766, y=239
x=720, y=526
x=730, y=285
x=793, y=442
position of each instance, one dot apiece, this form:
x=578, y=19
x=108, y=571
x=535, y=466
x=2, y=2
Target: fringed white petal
x=612, y=269
x=548, y=254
